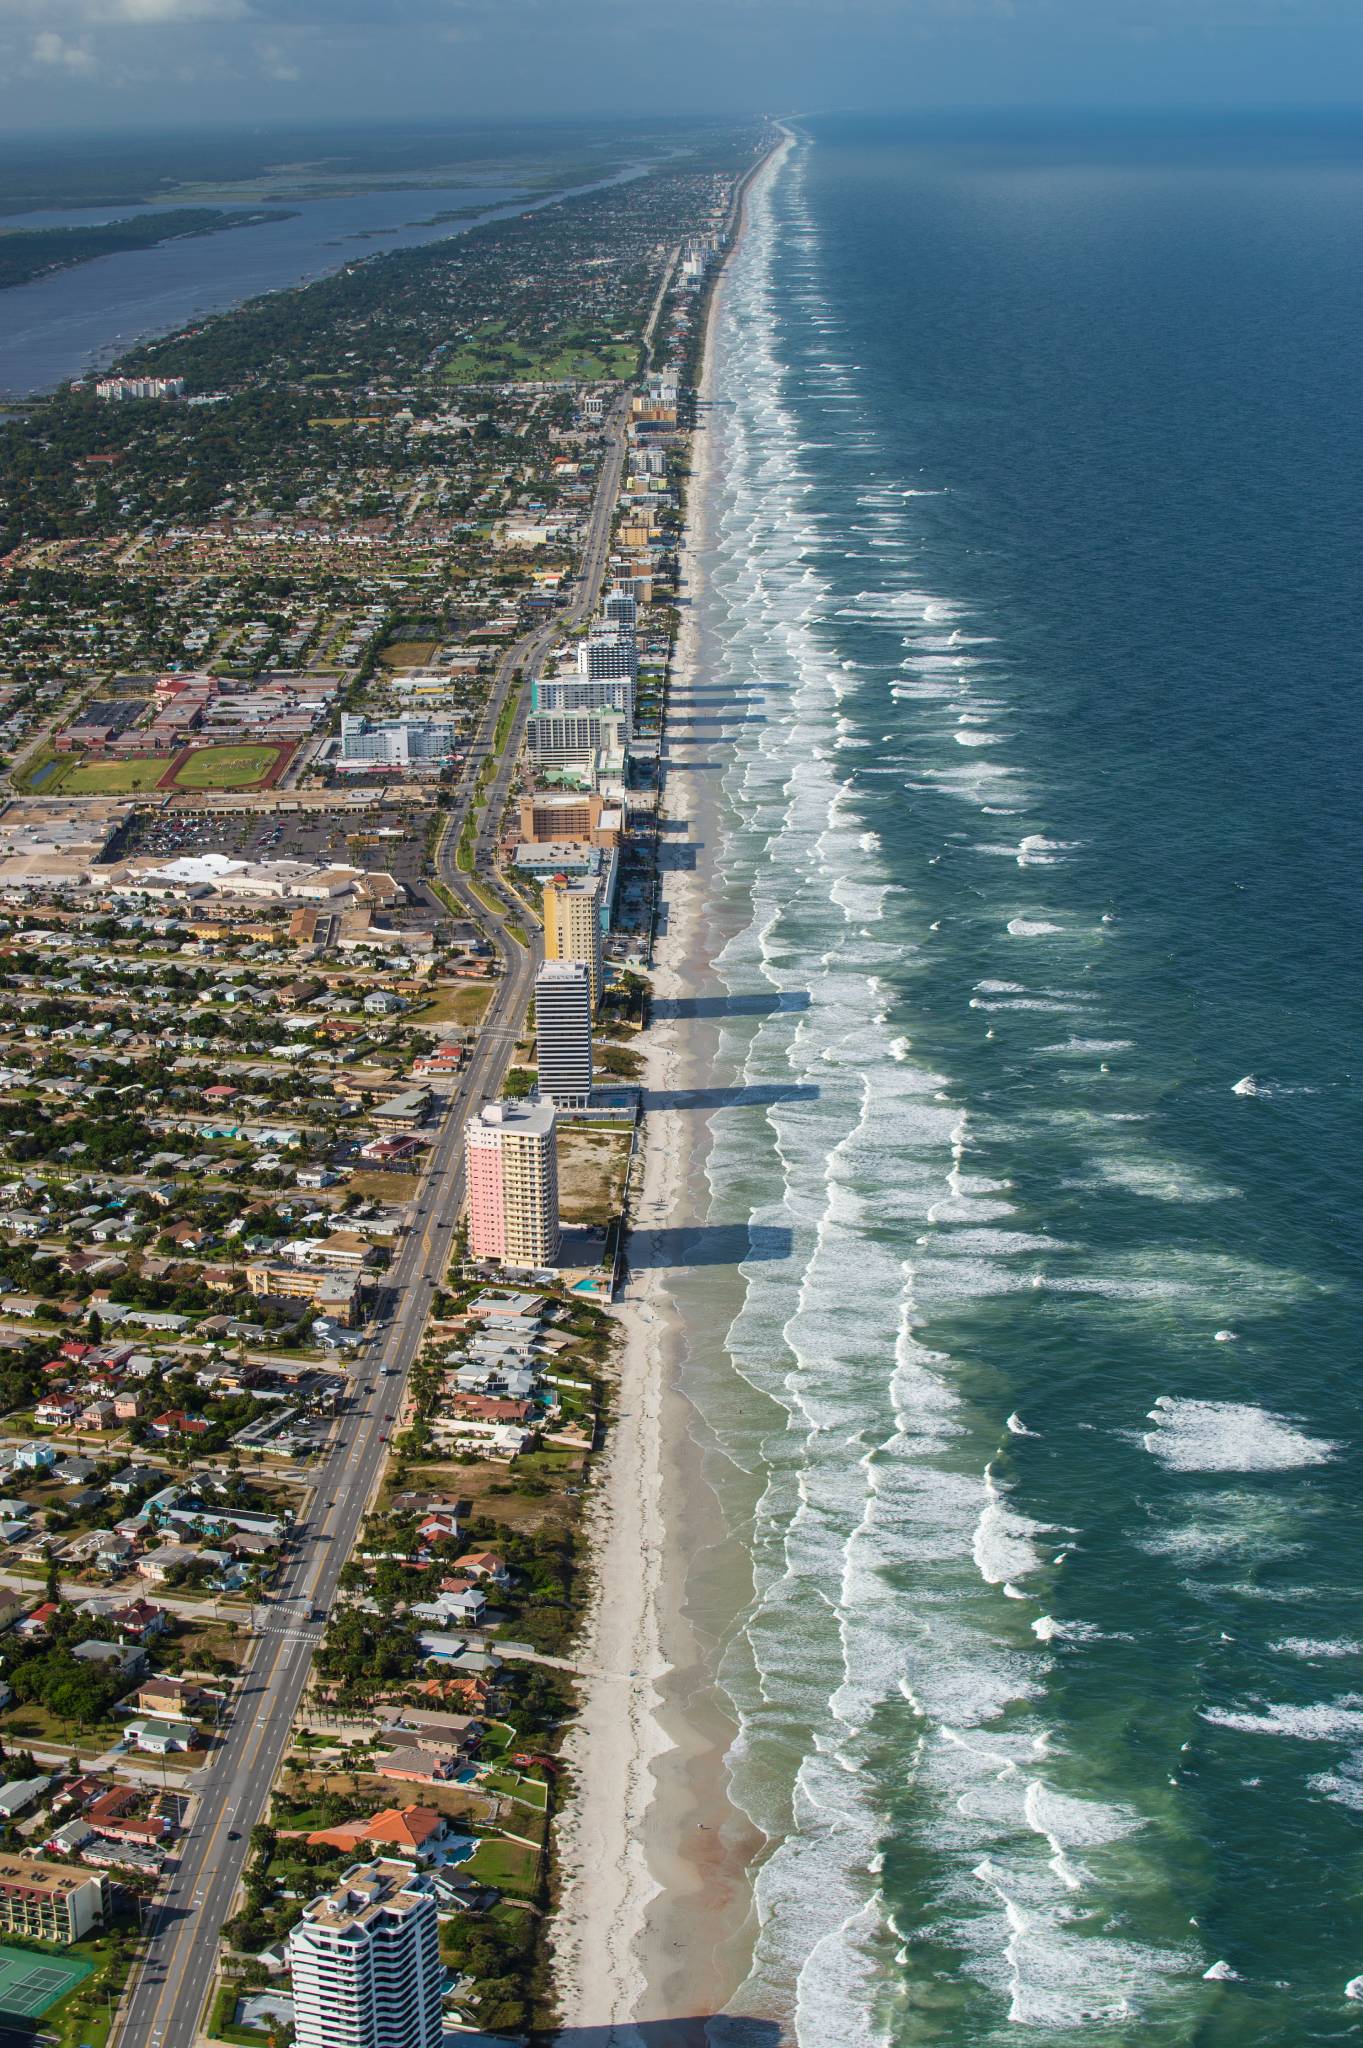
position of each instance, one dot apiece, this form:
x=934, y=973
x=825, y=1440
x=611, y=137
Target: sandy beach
x=653, y=1933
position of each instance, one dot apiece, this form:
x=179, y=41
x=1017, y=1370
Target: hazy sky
x=136, y=62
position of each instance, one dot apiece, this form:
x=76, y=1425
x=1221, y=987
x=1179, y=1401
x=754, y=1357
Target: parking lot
x=387, y=839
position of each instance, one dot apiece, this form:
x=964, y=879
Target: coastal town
x=334, y=671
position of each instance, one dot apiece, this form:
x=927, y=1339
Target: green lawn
x=485, y=356
x=33, y=1722
x=532, y=1792
x=510, y=1866
x=113, y=778
x=226, y=767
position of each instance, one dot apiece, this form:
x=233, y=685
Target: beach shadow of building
x=759, y=1003
x=758, y=1095
x=708, y=1244
x=721, y=717
x=699, y=2030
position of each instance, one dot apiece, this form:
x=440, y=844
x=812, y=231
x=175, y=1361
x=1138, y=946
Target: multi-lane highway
x=166, y=1999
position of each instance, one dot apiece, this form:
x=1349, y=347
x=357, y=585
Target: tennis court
x=30, y=1983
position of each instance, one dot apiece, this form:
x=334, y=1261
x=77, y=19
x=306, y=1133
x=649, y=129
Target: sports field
x=30, y=1982
x=112, y=778
x=224, y=767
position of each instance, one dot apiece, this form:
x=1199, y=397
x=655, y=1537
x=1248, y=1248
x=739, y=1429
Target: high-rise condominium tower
x=563, y=1033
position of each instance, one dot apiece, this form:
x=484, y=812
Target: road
x=164, y=2004
x=528, y=655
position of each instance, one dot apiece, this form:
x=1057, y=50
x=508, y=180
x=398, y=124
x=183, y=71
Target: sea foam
x=1229, y=1436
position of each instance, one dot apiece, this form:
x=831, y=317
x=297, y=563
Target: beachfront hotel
x=365, y=1961
x=563, y=1033
x=572, y=927
x=511, y=1161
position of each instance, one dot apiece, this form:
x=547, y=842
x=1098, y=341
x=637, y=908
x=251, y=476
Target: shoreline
x=651, y=1821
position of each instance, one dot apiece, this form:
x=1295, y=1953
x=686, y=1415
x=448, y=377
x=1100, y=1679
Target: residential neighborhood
x=329, y=850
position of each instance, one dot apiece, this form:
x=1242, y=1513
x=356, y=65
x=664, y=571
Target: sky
x=159, y=63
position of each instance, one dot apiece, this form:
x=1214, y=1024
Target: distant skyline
x=155, y=63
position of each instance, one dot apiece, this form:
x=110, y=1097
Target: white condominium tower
x=576, y=692
x=608, y=651
x=511, y=1170
x=366, y=1963
x=572, y=927
x=563, y=1033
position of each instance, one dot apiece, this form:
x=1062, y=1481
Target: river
x=71, y=321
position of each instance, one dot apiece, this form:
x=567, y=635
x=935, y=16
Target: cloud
x=56, y=52
x=485, y=58
x=80, y=14
x=276, y=64
x=163, y=13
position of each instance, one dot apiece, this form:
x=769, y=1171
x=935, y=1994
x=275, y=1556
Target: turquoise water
x=1034, y=576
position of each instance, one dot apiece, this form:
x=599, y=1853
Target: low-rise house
x=344, y=1251
x=172, y=1698
x=135, y=1479
x=418, y=1832
x=70, y=1839
x=159, y=1737
x=126, y=1659
x=74, y=1471
x=78, y=1793
x=157, y=1565
x=37, y=1623
x=467, y=1606
x=484, y=1564
x=140, y=1620
x=477, y=1410
x=418, y=1766
x=56, y=1411
x=18, y=1793
x=174, y=1422
x=109, y=1551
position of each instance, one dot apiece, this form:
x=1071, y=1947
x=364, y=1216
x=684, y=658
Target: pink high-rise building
x=511, y=1160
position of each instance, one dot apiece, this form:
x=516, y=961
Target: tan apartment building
x=333, y=1294
x=572, y=927
x=547, y=819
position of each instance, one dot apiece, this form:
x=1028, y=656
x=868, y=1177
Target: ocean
x=1031, y=607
